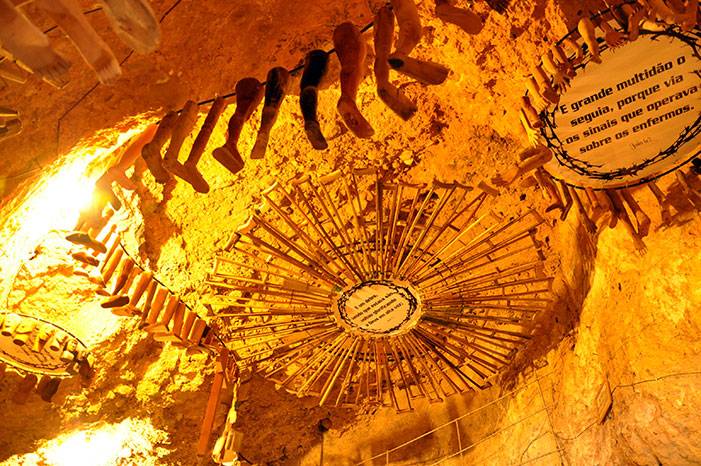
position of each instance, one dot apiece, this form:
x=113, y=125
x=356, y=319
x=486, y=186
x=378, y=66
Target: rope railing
x=455, y=420
x=546, y=408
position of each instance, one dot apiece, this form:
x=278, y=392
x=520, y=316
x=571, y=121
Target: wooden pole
x=212, y=403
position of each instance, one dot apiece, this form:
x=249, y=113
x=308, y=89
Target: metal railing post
x=457, y=432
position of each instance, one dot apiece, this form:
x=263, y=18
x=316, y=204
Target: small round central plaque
x=378, y=308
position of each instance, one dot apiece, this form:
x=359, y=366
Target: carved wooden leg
x=31, y=46
x=129, y=156
x=641, y=217
x=607, y=206
x=660, y=197
x=597, y=209
x=588, y=222
x=588, y=32
x=563, y=61
x=135, y=147
x=531, y=113
x=105, y=194
x=560, y=81
x=47, y=387
x=85, y=258
x=126, y=265
x=545, y=88
x=115, y=301
x=161, y=295
x=410, y=31
x=84, y=239
x=535, y=95
x=546, y=182
x=388, y=93
x=351, y=51
x=70, y=18
x=134, y=22
x=693, y=196
x=181, y=130
x=634, y=16
x=578, y=57
x=660, y=8
x=276, y=86
x=23, y=332
x=690, y=17
x=619, y=211
x=467, y=20
x=567, y=196
x=194, y=177
x=249, y=94
x=315, y=67
x=426, y=72
x=152, y=151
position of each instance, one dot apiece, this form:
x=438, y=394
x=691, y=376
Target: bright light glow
x=129, y=442
x=98, y=448
x=54, y=204
x=59, y=202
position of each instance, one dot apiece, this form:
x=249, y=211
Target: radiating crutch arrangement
x=349, y=287
x=42, y=352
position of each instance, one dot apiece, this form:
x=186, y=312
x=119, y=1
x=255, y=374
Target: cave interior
x=269, y=232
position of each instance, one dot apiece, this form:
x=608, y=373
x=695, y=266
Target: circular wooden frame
x=471, y=285
x=34, y=345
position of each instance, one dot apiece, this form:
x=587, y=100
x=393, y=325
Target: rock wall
x=622, y=388
x=623, y=324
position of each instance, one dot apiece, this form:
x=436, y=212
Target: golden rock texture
x=623, y=322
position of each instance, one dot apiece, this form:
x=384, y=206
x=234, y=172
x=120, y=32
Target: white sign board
x=378, y=308
x=630, y=119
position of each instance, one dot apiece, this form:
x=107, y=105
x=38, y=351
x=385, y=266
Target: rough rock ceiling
x=207, y=47
x=465, y=129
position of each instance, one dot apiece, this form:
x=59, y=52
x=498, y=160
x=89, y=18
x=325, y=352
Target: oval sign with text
x=377, y=308
x=632, y=118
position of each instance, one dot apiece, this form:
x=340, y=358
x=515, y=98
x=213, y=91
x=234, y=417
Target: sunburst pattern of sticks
x=480, y=280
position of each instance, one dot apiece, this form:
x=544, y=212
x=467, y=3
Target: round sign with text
x=378, y=308
x=630, y=119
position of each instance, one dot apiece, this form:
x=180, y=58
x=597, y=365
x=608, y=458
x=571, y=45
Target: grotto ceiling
x=366, y=204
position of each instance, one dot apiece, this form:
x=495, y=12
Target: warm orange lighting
x=54, y=204
x=128, y=442
x=57, y=205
